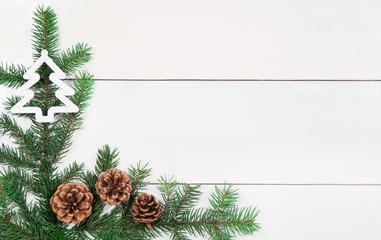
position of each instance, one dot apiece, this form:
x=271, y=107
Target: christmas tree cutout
x=56, y=77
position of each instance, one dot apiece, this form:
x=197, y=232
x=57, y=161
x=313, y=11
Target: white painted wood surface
x=243, y=132
x=211, y=38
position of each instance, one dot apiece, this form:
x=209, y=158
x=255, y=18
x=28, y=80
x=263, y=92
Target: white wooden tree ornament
x=33, y=77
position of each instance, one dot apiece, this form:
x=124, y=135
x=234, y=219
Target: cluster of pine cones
x=72, y=202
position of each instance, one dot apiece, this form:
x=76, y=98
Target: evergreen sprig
x=12, y=75
x=106, y=159
x=13, y=158
x=31, y=176
x=138, y=175
x=74, y=58
x=223, y=220
x=45, y=33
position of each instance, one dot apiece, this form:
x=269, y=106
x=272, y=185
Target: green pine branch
x=71, y=172
x=13, y=158
x=167, y=188
x=223, y=220
x=45, y=32
x=65, y=128
x=106, y=159
x=22, y=178
x=4, y=204
x=111, y=234
x=26, y=213
x=74, y=58
x=222, y=200
x=24, y=139
x=138, y=175
x=13, y=100
x=12, y=75
x=185, y=198
x=13, y=231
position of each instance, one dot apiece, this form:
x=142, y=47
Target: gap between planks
x=285, y=184
x=236, y=80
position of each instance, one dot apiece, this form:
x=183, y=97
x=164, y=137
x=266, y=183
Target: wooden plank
x=243, y=132
x=291, y=39
x=314, y=213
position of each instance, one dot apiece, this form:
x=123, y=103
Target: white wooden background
x=307, y=153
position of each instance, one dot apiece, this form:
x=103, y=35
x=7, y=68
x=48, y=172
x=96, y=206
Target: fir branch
x=186, y=198
x=138, y=174
x=167, y=188
x=223, y=220
x=45, y=93
x=22, y=178
x=13, y=231
x=12, y=75
x=223, y=200
x=106, y=159
x=17, y=195
x=16, y=159
x=24, y=139
x=89, y=178
x=99, y=221
x=45, y=136
x=178, y=235
x=200, y=221
x=45, y=32
x=83, y=86
x=74, y=58
x=130, y=230
x=10, y=126
x=15, y=190
x=61, y=231
x=112, y=234
x=12, y=101
x=45, y=144
x=4, y=203
x=73, y=171
x=240, y=222
x=65, y=128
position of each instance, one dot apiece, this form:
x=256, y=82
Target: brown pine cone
x=72, y=202
x=145, y=209
x=114, y=186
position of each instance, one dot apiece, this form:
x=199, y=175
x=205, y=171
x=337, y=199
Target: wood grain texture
x=294, y=39
x=246, y=132
x=243, y=132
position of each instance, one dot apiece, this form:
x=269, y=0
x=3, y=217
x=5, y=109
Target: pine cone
x=72, y=202
x=114, y=186
x=145, y=209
